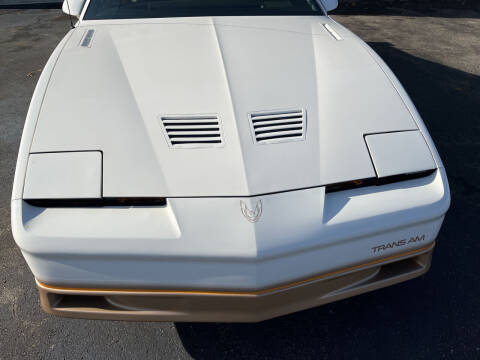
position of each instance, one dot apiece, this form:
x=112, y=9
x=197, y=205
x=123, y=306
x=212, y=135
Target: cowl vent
x=87, y=38
x=278, y=126
x=192, y=131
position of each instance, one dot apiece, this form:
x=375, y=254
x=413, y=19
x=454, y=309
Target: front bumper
x=228, y=306
x=218, y=266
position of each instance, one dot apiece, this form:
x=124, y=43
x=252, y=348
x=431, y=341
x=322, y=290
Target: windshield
x=131, y=9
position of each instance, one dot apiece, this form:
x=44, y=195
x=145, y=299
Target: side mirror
x=330, y=4
x=72, y=7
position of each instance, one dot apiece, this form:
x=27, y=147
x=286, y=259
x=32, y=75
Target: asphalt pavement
x=436, y=56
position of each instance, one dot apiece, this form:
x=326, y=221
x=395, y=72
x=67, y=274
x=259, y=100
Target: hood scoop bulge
x=192, y=131
x=278, y=126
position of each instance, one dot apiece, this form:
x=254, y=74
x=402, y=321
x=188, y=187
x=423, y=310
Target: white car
x=231, y=160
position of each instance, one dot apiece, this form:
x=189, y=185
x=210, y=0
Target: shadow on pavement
x=435, y=316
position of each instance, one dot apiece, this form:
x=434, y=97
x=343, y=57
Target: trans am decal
x=403, y=242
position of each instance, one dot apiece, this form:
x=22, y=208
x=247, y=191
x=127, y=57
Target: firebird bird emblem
x=251, y=215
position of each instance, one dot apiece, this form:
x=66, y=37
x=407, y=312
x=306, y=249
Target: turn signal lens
x=125, y=201
x=376, y=181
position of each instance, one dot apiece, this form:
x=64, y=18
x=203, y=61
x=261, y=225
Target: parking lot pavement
x=436, y=57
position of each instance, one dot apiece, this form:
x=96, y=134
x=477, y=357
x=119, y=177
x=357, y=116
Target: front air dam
x=233, y=306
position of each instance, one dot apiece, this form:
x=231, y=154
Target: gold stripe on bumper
x=233, y=306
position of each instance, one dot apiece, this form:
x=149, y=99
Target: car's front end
x=221, y=169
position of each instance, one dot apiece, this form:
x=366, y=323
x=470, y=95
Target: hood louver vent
x=278, y=126
x=189, y=131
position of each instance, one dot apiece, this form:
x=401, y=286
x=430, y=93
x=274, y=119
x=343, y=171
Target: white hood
x=110, y=96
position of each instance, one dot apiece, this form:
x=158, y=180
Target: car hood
x=110, y=94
